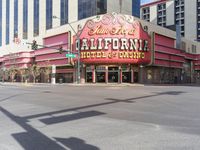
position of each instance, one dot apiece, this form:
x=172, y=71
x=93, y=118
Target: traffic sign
x=70, y=55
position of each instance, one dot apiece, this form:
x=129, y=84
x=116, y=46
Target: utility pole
x=78, y=76
x=120, y=6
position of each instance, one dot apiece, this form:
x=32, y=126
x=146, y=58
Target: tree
x=34, y=70
x=1, y=74
x=46, y=71
x=12, y=72
x=24, y=74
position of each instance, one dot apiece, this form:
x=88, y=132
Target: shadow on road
x=111, y=101
x=33, y=139
x=9, y=97
x=130, y=100
x=71, y=117
x=76, y=144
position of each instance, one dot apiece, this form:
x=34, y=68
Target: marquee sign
x=114, y=38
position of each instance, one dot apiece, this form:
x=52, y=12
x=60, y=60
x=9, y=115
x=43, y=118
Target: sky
x=145, y=1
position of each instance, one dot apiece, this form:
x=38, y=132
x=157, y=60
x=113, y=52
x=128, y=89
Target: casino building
x=114, y=48
x=123, y=49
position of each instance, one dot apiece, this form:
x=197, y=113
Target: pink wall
x=48, y=56
x=60, y=39
x=53, y=62
x=165, y=53
x=2, y=59
x=21, y=59
x=165, y=41
x=51, y=56
x=168, y=63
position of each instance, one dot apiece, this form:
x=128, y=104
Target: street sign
x=70, y=55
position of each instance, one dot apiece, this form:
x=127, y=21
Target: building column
x=120, y=75
x=83, y=70
x=53, y=75
x=132, y=74
x=93, y=74
x=106, y=76
x=141, y=73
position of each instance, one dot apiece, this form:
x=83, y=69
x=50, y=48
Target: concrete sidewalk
x=92, y=84
x=68, y=84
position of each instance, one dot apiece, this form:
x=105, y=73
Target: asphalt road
x=45, y=117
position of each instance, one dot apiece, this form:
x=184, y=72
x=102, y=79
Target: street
x=69, y=117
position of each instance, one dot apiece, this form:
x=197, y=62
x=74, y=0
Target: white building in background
x=23, y=21
x=169, y=13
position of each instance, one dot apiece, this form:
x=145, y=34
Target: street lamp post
x=78, y=62
x=78, y=76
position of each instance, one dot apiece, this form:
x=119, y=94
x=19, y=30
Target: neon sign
x=114, y=38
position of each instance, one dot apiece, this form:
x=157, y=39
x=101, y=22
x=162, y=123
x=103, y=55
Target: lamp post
x=78, y=76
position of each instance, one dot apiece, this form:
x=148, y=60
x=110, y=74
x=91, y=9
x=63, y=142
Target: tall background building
x=27, y=20
x=169, y=13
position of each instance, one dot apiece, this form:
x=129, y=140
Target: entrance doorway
x=136, y=77
x=126, y=77
x=100, y=74
x=100, y=77
x=89, y=77
x=113, y=74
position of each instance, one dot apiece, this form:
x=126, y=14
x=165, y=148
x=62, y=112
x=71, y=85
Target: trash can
x=60, y=80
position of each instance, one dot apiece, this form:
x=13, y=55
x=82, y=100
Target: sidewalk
x=68, y=84
x=93, y=84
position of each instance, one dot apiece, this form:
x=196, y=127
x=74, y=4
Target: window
x=164, y=24
x=164, y=12
x=101, y=6
x=159, y=7
x=136, y=8
x=183, y=46
x=180, y=16
x=64, y=12
x=25, y=19
x=49, y=9
x=145, y=14
x=194, y=49
x=36, y=18
x=7, y=21
x=198, y=20
x=0, y=22
x=161, y=17
x=144, y=11
x=15, y=18
x=87, y=8
x=182, y=28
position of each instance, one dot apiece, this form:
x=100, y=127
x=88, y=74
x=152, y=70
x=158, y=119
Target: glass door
x=126, y=77
x=113, y=74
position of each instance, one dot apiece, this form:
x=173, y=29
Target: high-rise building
x=169, y=13
x=28, y=20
